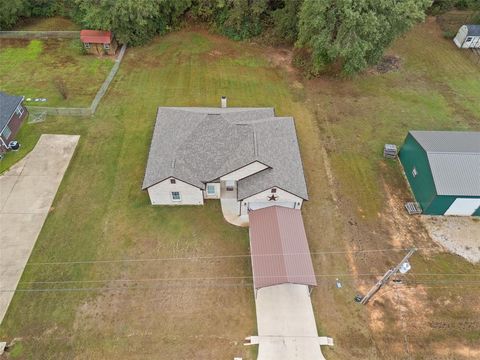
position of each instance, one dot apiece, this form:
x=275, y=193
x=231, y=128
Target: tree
x=133, y=21
x=354, y=33
x=285, y=20
x=10, y=11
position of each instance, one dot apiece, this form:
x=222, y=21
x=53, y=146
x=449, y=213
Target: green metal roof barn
x=443, y=169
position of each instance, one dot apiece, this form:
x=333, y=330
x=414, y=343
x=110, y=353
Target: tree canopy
x=351, y=34
x=354, y=32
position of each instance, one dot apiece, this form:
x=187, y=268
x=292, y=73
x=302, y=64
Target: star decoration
x=272, y=197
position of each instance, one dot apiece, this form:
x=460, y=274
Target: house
x=468, y=37
x=443, y=170
x=12, y=114
x=247, y=156
x=98, y=42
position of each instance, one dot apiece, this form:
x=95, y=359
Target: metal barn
x=443, y=170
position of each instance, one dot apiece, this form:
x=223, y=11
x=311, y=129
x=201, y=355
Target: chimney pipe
x=224, y=101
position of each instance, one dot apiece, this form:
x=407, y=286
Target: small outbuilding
x=12, y=114
x=98, y=42
x=443, y=170
x=468, y=37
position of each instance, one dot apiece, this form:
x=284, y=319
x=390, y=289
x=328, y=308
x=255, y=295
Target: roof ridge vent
x=255, y=145
x=173, y=164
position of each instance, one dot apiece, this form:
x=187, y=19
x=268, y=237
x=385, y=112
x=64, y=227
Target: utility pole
x=386, y=277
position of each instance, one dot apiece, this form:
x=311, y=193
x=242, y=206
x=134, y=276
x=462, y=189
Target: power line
x=233, y=285
x=339, y=275
x=213, y=257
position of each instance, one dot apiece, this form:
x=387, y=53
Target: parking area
x=26, y=195
x=459, y=234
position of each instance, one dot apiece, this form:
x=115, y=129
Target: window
x=87, y=45
x=176, y=196
x=106, y=46
x=6, y=133
x=19, y=110
x=414, y=172
x=469, y=39
x=173, y=181
x=230, y=185
x=211, y=190
x=274, y=191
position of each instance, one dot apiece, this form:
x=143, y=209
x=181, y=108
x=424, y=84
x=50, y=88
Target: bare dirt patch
x=460, y=235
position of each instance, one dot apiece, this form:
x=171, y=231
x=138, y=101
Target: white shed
x=468, y=37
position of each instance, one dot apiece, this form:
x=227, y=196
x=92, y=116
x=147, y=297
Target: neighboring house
x=468, y=37
x=98, y=42
x=247, y=155
x=443, y=169
x=12, y=114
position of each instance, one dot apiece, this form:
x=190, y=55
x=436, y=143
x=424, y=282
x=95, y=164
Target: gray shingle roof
x=473, y=30
x=198, y=145
x=454, y=158
x=8, y=104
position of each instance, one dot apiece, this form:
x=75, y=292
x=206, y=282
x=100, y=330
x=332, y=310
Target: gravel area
x=460, y=235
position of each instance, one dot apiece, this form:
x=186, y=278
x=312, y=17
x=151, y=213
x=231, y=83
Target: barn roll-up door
x=463, y=207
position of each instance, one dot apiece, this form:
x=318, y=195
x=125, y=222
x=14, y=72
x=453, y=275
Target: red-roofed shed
x=98, y=42
x=279, y=248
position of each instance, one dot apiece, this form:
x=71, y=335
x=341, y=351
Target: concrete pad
x=459, y=234
x=286, y=324
x=26, y=195
x=6, y=186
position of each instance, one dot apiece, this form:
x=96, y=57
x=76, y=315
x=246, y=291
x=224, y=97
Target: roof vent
x=224, y=101
x=173, y=164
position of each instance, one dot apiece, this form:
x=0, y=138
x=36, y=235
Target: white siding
x=245, y=171
x=261, y=200
x=217, y=191
x=461, y=35
x=161, y=193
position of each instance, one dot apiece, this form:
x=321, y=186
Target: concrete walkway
x=230, y=209
x=26, y=195
x=286, y=324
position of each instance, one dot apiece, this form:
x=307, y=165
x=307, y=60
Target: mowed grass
x=101, y=213
x=54, y=69
x=437, y=88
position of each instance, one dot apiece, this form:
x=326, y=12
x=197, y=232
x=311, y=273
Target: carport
x=283, y=277
x=279, y=248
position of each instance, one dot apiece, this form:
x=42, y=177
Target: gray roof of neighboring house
x=473, y=30
x=198, y=145
x=8, y=104
x=454, y=158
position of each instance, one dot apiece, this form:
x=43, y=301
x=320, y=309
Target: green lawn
x=101, y=213
x=54, y=69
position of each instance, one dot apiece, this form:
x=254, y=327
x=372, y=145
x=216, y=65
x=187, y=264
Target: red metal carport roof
x=279, y=248
x=96, y=36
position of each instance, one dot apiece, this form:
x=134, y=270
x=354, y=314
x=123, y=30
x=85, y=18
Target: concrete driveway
x=286, y=324
x=26, y=195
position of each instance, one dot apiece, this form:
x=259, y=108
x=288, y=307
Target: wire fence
x=87, y=111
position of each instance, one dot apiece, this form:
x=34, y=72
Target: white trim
x=9, y=132
x=173, y=196
x=19, y=110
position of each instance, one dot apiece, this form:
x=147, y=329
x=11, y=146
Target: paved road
x=26, y=195
x=286, y=324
